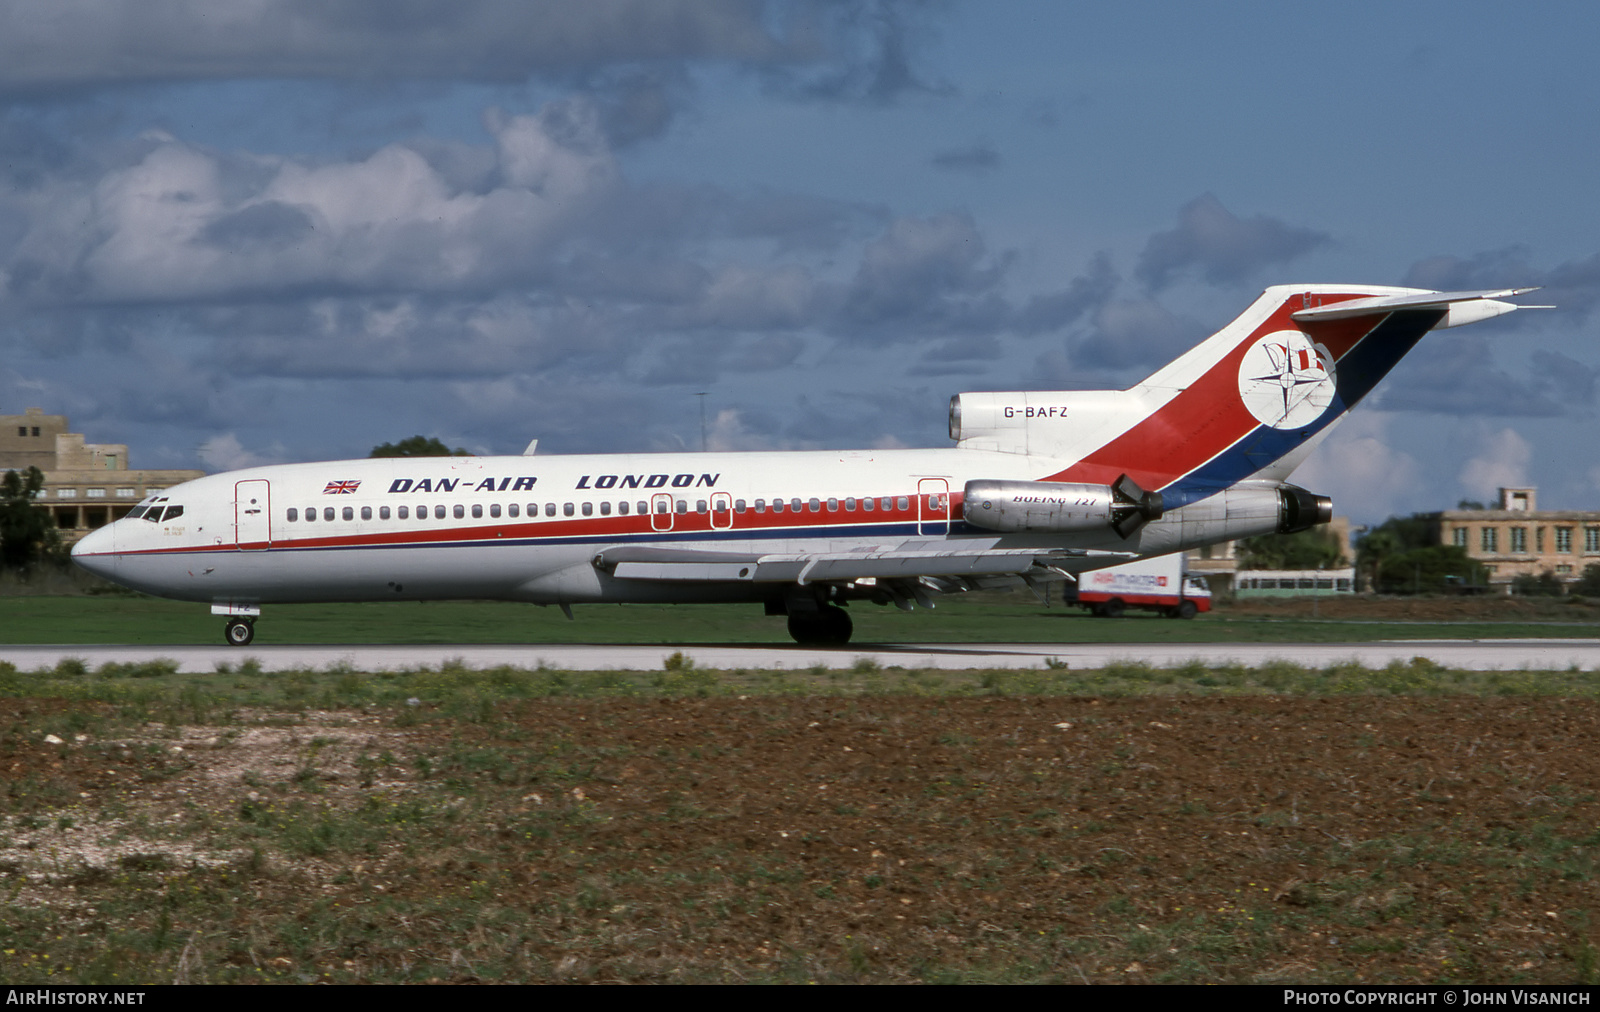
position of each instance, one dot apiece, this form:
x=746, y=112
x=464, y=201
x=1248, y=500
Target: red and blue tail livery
x=1039, y=486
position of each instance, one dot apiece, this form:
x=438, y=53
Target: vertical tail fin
x=1252, y=400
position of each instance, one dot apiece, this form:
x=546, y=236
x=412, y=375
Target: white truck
x=1160, y=584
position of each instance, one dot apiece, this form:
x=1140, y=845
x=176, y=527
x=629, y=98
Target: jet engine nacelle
x=1060, y=508
x=1242, y=511
x=1299, y=510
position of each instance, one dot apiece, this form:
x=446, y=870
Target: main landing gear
x=239, y=632
x=828, y=626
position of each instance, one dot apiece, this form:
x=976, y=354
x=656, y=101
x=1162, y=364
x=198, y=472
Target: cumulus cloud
x=732, y=429
x=1222, y=247
x=179, y=222
x=1503, y=463
x=924, y=272
x=867, y=52
x=1134, y=334
x=224, y=452
x=1362, y=469
x=1455, y=374
x=1087, y=292
x=1572, y=287
x=1501, y=268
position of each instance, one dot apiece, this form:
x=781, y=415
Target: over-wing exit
x=1039, y=486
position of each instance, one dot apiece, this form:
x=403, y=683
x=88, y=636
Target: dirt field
x=1246, y=839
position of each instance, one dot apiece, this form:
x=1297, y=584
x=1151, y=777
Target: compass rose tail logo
x=1286, y=381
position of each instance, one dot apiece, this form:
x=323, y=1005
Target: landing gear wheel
x=836, y=621
x=829, y=627
x=239, y=632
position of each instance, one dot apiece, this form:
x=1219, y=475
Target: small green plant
x=678, y=661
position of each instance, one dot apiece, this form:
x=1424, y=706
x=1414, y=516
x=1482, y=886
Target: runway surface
x=1477, y=655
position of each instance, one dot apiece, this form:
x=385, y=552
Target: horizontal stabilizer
x=1459, y=307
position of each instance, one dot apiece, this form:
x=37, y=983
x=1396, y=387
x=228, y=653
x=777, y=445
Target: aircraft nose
x=97, y=551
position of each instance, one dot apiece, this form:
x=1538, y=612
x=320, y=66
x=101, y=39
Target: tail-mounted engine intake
x=1299, y=510
x=1059, y=508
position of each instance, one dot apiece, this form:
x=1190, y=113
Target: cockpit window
x=171, y=513
x=136, y=513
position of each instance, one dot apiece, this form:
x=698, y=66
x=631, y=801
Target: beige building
x=86, y=485
x=1515, y=538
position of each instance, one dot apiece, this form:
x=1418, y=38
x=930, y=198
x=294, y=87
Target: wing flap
x=901, y=562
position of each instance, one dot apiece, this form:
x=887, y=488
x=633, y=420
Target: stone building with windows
x=86, y=485
x=1515, y=538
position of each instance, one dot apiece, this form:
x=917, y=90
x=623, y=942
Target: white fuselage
x=528, y=528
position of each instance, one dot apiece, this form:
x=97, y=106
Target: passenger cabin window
x=477, y=511
x=403, y=512
x=327, y=512
x=605, y=509
x=311, y=514
x=683, y=506
x=549, y=509
x=459, y=511
x=349, y=513
x=383, y=512
x=511, y=511
x=494, y=511
x=622, y=507
x=438, y=512
x=366, y=512
x=566, y=509
x=294, y=514
x=588, y=509
x=643, y=507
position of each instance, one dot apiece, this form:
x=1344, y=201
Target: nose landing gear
x=239, y=632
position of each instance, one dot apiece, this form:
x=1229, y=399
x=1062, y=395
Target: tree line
x=1399, y=556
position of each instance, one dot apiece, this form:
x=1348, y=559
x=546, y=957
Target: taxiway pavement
x=1476, y=655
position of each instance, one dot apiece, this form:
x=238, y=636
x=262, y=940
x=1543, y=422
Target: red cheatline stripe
x=1205, y=418
x=634, y=525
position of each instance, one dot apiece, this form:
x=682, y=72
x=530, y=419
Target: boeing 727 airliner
x=1039, y=486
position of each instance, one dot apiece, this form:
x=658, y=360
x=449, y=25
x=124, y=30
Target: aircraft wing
x=909, y=560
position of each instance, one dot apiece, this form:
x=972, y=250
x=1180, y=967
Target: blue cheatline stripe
x=1362, y=367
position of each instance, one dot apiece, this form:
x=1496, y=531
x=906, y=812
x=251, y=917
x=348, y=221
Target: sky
x=267, y=231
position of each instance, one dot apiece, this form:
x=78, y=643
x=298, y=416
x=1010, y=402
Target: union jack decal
x=341, y=487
